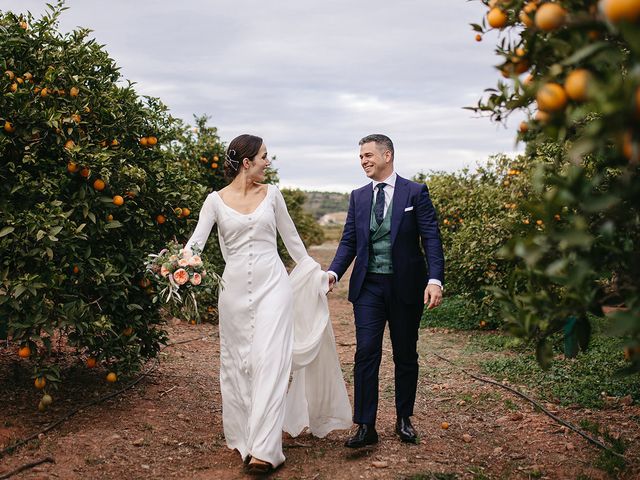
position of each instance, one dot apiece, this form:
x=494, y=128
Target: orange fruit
x=550, y=16
x=621, y=10
x=10, y=74
x=28, y=76
x=44, y=92
x=115, y=143
x=72, y=167
x=483, y=324
x=91, y=362
x=203, y=159
x=144, y=141
x=177, y=211
x=24, y=352
x=46, y=400
x=186, y=212
x=8, y=127
x=214, y=165
x=524, y=15
x=40, y=382
x=76, y=269
x=111, y=377
x=127, y=332
x=524, y=127
x=13, y=87
x=161, y=219
x=556, y=217
x=215, y=158
x=74, y=91
x=551, y=97
x=99, y=185
x=444, y=425
x=76, y=118
x=87, y=110
x=577, y=84
x=69, y=144
x=478, y=37
x=109, y=218
x=628, y=146
x=118, y=200
x=85, y=172
x=539, y=222
x=152, y=141
x=526, y=221
x=497, y=18
x=23, y=25
x=542, y=117
x=19, y=80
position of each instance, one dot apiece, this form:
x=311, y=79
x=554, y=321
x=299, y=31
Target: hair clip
x=230, y=161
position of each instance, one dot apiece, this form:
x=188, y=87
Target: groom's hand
x=332, y=282
x=432, y=296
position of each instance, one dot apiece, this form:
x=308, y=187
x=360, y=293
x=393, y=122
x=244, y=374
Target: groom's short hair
x=382, y=140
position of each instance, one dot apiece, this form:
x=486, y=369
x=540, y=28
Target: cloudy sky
x=311, y=78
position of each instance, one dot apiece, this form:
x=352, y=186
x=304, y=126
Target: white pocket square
x=408, y=209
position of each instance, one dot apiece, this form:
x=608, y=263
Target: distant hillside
x=320, y=203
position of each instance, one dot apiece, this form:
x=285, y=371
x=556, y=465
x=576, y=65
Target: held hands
x=432, y=295
x=332, y=282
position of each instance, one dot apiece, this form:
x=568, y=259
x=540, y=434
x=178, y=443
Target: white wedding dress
x=272, y=325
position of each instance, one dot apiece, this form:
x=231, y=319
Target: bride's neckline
x=245, y=214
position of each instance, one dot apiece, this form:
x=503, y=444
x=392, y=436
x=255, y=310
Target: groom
x=387, y=222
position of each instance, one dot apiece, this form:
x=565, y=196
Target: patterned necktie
x=378, y=210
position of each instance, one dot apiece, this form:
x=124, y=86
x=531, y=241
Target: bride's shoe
x=259, y=467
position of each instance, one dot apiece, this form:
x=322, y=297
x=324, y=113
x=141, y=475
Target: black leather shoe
x=405, y=430
x=366, y=435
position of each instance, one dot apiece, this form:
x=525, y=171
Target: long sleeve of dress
x=288, y=231
x=206, y=220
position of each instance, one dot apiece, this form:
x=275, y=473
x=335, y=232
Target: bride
x=271, y=324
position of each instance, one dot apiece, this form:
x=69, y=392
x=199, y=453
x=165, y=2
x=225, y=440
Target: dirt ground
x=169, y=425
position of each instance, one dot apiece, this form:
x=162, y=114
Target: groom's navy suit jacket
x=413, y=223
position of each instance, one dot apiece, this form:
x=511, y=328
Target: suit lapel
x=363, y=214
x=400, y=196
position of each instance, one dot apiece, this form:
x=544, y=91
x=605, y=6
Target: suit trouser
x=376, y=305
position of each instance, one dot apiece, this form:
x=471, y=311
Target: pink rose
x=181, y=276
x=183, y=262
x=164, y=271
x=196, y=279
x=195, y=261
x=185, y=253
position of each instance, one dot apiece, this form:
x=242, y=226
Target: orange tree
x=478, y=213
x=582, y=92
x=92, y=179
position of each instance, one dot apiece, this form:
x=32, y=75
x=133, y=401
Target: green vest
x=380, y=244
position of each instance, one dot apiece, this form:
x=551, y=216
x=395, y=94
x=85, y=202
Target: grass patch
x=432, y=476
x=455, y=312
x=495, y=342
x=606, y=461
x=572, y=381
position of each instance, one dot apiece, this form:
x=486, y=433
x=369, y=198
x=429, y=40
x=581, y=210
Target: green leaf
x=6, y=231
x=544, y=353
x=585, y=52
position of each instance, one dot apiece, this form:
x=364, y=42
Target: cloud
x=311, y=78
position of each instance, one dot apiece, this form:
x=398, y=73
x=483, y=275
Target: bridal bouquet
x=178, y=275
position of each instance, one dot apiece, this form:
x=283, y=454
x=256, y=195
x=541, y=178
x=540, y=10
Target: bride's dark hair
x=241, y=147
